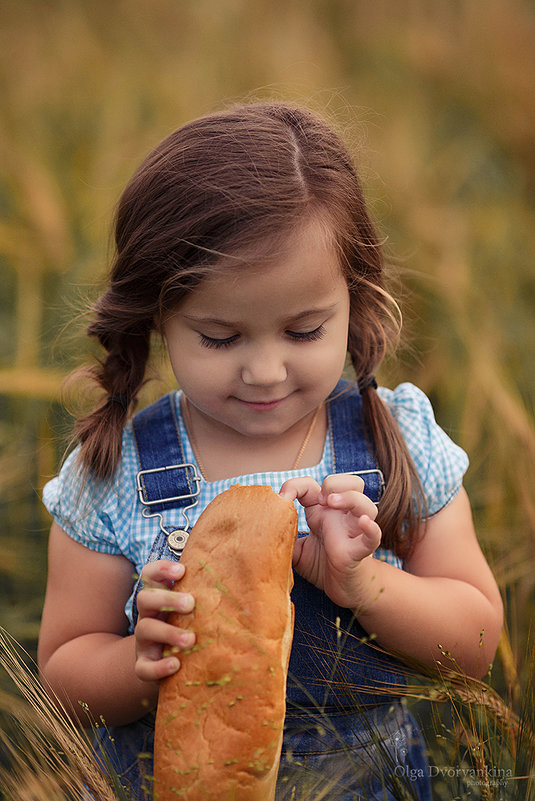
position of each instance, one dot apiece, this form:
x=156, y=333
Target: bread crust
x=220, y=719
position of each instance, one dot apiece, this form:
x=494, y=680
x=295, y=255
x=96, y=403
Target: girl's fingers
x=162, y=573
x=151, y=634
x=306, y=490
x=158, y=643
x=352, y=501
x=159, y=646
x=147, y=670
x=155, y=601
x=370, y=532
x=341, y=482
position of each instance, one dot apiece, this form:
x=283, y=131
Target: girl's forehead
x=292, y=282
x=309, y=249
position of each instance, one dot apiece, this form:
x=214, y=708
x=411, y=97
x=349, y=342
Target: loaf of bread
x=220, y=718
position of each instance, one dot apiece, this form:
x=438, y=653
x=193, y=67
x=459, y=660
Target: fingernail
x=335, y=497
x=187, y=602
x=172, y=666
x=187, y=639
x=174, y=570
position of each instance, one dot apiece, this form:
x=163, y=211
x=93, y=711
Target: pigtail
x=120, y=374
x=402, y=506
x=374, y=328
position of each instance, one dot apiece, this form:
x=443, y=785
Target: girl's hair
x=211, y=192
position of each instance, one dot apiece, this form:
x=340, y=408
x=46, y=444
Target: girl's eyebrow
x=319, y=310
x=201, y=319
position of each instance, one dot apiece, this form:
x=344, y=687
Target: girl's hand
x=158, y=642
x=343, y=532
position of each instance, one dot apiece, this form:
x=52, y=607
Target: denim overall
x=344, y=740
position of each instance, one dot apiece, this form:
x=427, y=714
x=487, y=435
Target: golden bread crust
x=220, y=718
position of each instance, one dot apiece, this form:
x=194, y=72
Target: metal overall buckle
x=176, y=538
x=380, y=476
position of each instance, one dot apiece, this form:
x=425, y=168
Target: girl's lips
x=261, y=405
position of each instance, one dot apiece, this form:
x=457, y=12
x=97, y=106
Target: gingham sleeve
x=83, y=508
x=440, y=463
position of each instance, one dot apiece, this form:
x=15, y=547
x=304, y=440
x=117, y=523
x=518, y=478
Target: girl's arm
x=85, y=654
x=446, y=598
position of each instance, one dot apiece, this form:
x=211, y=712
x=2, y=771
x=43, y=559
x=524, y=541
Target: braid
x=403, y=504
x=121, y=375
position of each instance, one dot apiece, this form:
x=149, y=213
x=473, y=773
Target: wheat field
x=437, y=100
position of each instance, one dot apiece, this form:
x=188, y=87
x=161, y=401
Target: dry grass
x=46, y=756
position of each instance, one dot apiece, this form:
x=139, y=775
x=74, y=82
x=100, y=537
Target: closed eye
x=212, y=342
x=307, y=336
x=297, y=336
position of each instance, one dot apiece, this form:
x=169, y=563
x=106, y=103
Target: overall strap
x=166, y=480
x=353, y=450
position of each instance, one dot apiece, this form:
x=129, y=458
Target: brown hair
x=212, y=189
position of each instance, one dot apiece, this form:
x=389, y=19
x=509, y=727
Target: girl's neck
x=222, y=453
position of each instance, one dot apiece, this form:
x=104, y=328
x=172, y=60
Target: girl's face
x=256, y=349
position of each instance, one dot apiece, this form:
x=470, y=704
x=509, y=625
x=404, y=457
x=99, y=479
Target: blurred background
x=436, y=99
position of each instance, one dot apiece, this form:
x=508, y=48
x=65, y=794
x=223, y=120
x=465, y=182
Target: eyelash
x=308, y=336
x=210, y=342
x=305, y=336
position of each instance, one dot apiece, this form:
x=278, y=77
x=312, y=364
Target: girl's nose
x=264, y=368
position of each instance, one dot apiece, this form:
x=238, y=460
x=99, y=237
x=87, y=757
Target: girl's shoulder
x=89, y=510
x=439, y=461
x=408, y=401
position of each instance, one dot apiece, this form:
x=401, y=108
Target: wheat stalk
x=51, y=758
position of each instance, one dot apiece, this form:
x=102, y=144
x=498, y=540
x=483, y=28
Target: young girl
x=244, y=241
